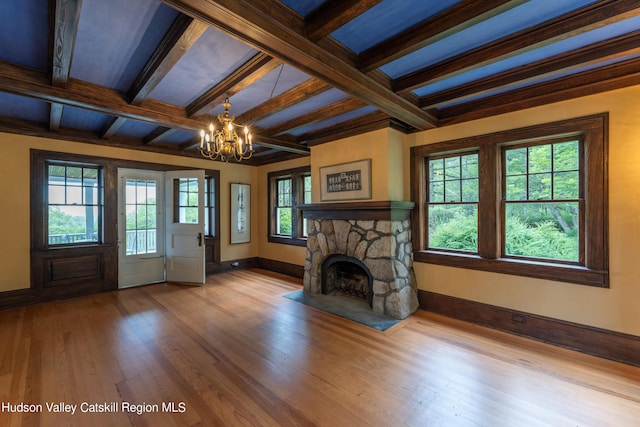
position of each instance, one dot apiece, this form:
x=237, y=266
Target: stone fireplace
x=362, y=249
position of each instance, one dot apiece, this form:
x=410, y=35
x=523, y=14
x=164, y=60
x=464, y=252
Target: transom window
x=74, y=199
x=517, y=202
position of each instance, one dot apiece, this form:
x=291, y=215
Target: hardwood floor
x=235, y=352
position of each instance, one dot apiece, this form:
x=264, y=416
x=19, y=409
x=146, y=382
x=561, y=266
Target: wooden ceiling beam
x=157, y=134
x=182, y=34
x=24, y=127
x=607, y=50
x=180, y=37
x=112, y=125
x=55, y=116
x=259, y=24
x=67, y=18
x=333, y=14
x=291, y=147
x=64, y=29
x=580, y=21
x=323, y=113
x=368, y=123
x=307, y=89
x=461, y=16
x=33, y=83
x=254, y=69
x=587, y=83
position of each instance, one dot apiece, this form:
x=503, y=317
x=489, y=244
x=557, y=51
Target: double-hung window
x=528, y=202
x=453, y=202
x=74, y=203
x=288, y=189
x=542, y=202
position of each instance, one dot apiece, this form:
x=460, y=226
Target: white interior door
x=140, y=227
x=185, y=226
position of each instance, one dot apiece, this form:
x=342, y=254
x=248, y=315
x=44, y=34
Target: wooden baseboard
x=289, y=269
x=237, y=264
x=611, y=345
x=29, y=296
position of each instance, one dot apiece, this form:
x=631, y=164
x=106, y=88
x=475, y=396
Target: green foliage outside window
x=542, y=196
x=542, y=192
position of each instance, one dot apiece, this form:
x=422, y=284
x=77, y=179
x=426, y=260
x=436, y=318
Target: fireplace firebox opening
x=345, y=275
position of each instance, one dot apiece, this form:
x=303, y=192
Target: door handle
x=199, y=239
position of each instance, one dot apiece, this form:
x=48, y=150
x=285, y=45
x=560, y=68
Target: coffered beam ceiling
x=269, y=27
x=330, y=91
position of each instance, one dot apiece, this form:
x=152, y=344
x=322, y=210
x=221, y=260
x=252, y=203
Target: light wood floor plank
x=235, y=352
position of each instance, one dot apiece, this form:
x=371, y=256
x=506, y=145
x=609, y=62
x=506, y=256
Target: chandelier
x=224, y=143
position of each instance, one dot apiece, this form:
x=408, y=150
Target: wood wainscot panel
x=65, y=271
x=77, y=267
x=603, y=343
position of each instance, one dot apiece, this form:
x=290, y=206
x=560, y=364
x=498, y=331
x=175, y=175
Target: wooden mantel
x=377, y=210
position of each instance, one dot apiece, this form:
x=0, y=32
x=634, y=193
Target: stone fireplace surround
x=378, y=234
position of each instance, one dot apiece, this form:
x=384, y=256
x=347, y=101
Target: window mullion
x=488, y=197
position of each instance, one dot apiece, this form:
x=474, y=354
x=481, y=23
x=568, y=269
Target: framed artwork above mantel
x=346, y=181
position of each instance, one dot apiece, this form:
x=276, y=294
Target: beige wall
x=384, y=147
x=14, y=193
x=616, y=308
x=275, y=251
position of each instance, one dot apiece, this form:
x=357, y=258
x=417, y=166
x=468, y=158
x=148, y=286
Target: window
x=185, y=209
x=453, y=202
x=209, y=206
x=517, y=202
x=74, y=203
x=284, y=207
x=288, y=189
x=141, y=213
x=542, y=201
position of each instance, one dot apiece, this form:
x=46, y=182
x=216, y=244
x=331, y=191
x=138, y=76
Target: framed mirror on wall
x=240, y=213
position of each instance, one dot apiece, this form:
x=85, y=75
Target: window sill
x=540, y=270
x=288, y=240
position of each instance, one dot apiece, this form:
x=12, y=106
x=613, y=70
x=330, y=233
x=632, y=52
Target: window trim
x=297, y=196
x=594, y=132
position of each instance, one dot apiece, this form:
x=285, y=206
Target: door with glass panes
x=160, y=227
